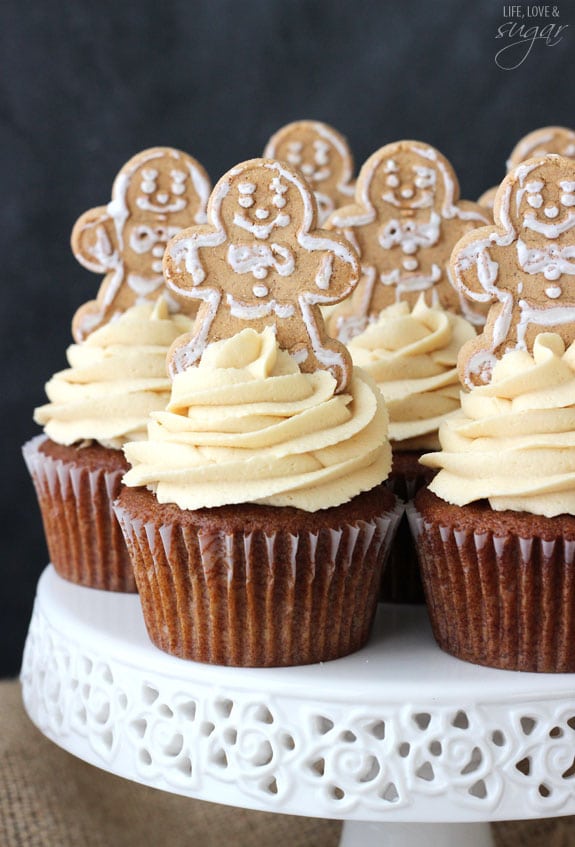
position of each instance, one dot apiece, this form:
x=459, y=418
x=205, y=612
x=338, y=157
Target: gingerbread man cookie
x=405, y=220
x=259, y=261
x=323, y=156
x=524, y=265
x=548, y=139
x=155, y=195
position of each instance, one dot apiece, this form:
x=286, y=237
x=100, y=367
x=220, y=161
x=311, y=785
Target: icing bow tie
x=550, y=260
x=410, y=235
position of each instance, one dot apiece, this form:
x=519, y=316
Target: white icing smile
x=549, y=230
x=261, y=230
x=162, y=206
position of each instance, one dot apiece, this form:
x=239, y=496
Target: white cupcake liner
x=84, y=540
x=503, y=601
x=258, y=598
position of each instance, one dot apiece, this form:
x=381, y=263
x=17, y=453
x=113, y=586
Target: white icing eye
x=321, y=152
x=425, y=177
x=246, y=187
x=534, y=186
x=294, y=152
x=178, y=188
x=148, y=186
x=279, y=201
x=392, y=180
x=149, y=173
x=178, y=176
x=246, y=201
x=568, y=196
x=277, y=186
x=391, y=167
x=535, y=201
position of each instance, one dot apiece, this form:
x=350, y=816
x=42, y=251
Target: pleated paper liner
x=500, y=586
x=75, y=488
x=258, y=586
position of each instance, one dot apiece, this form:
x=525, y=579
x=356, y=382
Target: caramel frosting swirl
x=117, y=376
x=513, y=442
x=413, y=358
x=246, y=425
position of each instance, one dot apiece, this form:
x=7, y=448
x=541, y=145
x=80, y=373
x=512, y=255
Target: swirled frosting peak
x=246, y=425
x=412, y=355
x=117, y=376
x=513, y=442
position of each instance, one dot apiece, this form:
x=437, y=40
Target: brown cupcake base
x=401, y=582
x=254, y=585
x=75, y=487
x=500, y=586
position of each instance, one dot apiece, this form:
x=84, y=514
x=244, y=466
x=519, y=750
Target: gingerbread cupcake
x=255, y=513
x=405, y=220
x=496, y=529
x=412, y=356
x=117, y=370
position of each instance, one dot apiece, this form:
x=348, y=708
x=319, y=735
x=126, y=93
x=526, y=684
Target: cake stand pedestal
x=406, y=744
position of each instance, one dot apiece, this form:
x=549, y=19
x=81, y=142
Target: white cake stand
x=394, y=736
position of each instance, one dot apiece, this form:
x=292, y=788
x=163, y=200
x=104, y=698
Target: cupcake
x=412, y=356
x=116, y=377
x=255, y=513
x=117, y=370
x=496, y=528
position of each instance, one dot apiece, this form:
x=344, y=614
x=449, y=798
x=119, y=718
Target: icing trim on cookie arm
x=92, y=241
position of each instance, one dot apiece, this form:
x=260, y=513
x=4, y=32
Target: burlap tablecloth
x=50, y=799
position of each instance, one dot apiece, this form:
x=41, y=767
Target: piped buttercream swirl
x=246, y=425
x=513, y=442
x=412, y=356
x=117, y=376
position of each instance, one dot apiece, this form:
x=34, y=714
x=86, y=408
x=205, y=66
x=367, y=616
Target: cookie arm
x=472, y=267
x=94, y=241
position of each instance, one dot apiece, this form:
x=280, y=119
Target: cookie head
x=261, y=205
x=322, y=155
x=409, y=176
x=540, y=142
x=541, y=202
x=155, y=195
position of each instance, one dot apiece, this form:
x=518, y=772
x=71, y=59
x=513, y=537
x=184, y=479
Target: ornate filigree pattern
x=295, y=752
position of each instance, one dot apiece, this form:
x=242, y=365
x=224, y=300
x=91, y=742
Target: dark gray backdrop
x=84, y=85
